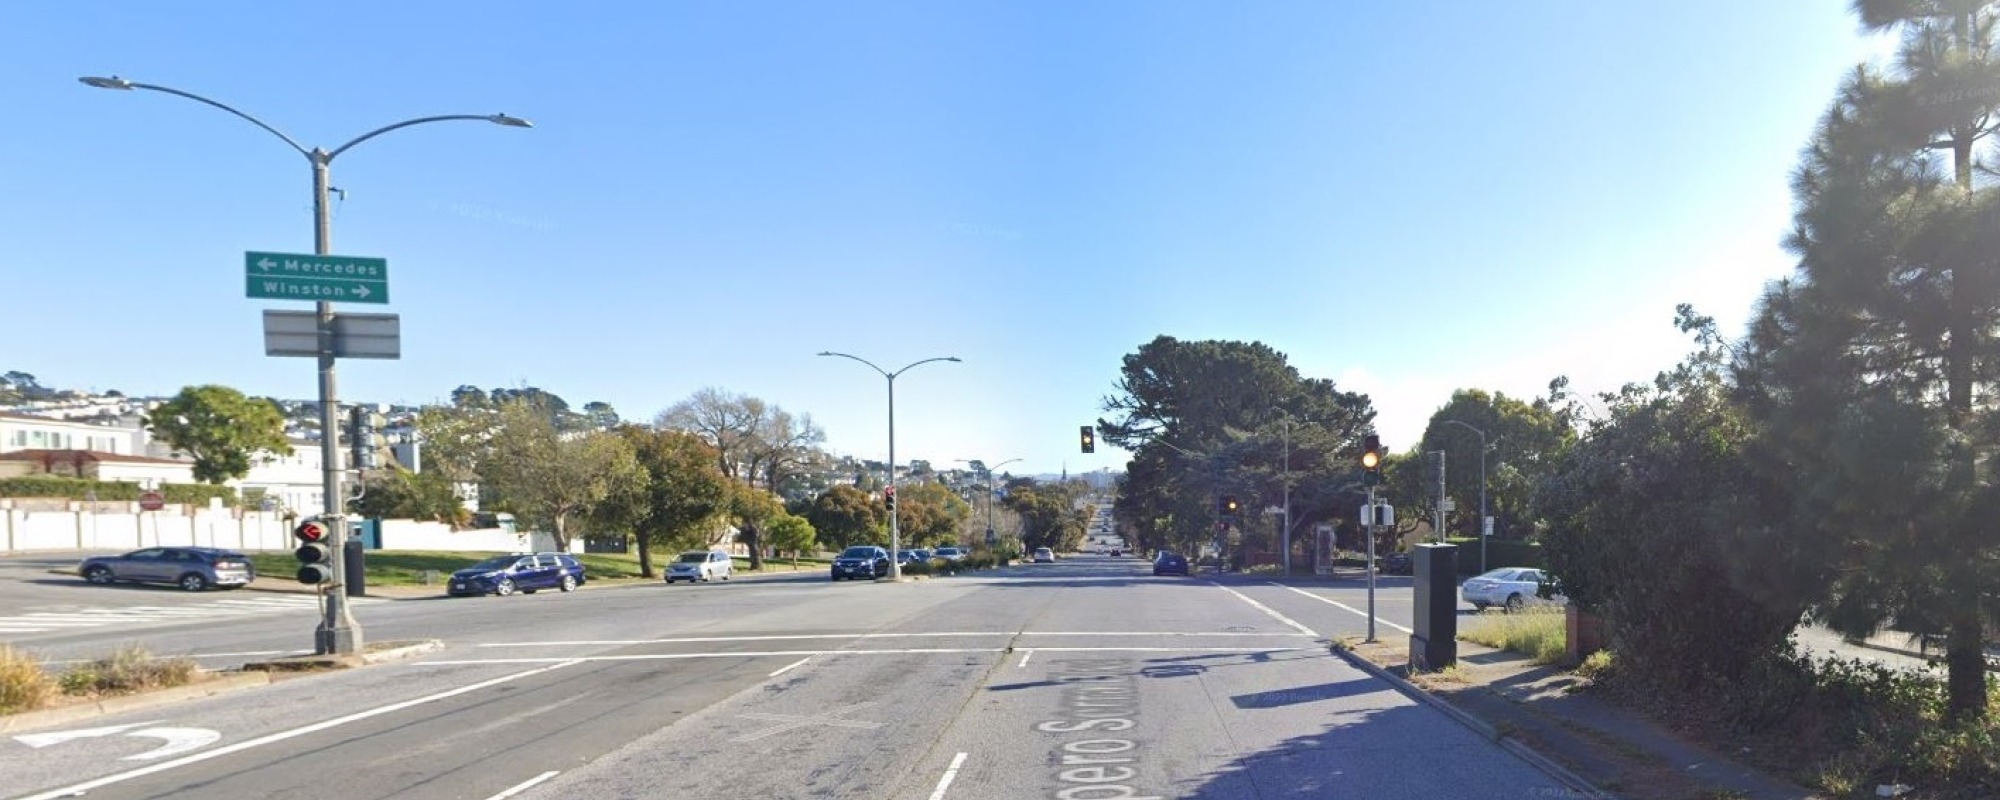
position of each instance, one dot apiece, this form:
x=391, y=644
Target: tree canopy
x=220, y=429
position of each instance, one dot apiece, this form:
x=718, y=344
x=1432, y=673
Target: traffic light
x=889, y=499
x=1089, y=439
x=1371, y=459
x=364, y=437
x=1227, y=506
x=315, y=551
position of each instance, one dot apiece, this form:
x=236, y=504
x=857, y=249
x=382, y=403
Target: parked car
x=700, y=565
x=1168, y=562
x=191, y=568
x=527, y=574
x=1511, y=587
x=1398, y=564
x=861, y=561
x=950, y=553
x=1044, y=555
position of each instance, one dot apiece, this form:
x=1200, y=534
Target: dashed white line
x=524, y=785
x=949, y=773
x=1341, y=605
x=789, y=667
x=1025, y=655
x=1267, y=609
x=80, y=788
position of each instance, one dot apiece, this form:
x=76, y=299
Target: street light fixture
x=1483, y=533
x=988, y=470
x=338, y=632
x=895, y=527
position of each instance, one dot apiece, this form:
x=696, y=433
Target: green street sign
x=297, y=276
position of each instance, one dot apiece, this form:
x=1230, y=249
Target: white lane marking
x=1341, y=605
x=1024, y=659
x=949, y=773
x=804, y=636
x=194, y=758
x=787, y=722
x=45, y=621
x=897, y=652
x=524, y=785
x=789, y=667
x=1267, y=609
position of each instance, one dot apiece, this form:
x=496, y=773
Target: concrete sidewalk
x=1615, y=751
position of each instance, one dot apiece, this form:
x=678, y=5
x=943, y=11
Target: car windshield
x=859, y=552
x=694, y=558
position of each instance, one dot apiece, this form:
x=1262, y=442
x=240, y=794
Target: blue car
x=1170, y=563
x=505, y=575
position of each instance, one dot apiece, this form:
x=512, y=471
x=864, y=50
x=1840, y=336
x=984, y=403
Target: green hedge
x=1499, y=553
x=81, y=489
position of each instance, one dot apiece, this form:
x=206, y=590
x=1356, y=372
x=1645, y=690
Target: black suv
x=861, y=561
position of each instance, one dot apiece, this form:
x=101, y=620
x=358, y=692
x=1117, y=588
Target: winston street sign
x=334, y=279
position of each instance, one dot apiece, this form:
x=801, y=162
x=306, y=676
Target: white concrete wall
x=78, y=527
x=122, y=526
x=404, y=534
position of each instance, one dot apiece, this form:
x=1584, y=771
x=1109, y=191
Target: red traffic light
x=312, y=530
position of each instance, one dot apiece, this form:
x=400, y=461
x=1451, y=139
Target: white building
x=25, y=432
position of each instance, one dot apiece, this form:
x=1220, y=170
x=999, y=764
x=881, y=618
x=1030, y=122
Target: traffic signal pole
x=1372, y=514
x=338, y=632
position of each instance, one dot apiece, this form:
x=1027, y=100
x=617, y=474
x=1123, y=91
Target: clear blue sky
x=1404, y=197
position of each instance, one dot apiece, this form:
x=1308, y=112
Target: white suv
x=700, y=565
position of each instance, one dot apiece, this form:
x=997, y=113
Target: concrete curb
x=400, y=652
x=1575, y=782
x=131, y=702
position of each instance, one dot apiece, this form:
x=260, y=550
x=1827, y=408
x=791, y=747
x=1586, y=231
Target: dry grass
x=130, y=669
x=1537, y=632
x=23, y=684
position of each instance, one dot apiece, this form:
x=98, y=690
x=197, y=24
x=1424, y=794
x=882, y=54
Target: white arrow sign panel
x=174, y=740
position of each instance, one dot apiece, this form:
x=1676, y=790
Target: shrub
x=130, y=669
x=23, y=684
x=918, y=568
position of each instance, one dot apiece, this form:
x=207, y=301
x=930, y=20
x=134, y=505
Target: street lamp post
x=988, y=470
x=1483, y=533
x=338, y=632
x=895, y=527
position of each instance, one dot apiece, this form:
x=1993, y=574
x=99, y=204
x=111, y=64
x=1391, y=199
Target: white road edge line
x=897, y=652
x=1267, y=609
x=1025, y=655
x=524, y=785
x=789, y=667
x=802, y=636
x=949, y=773
x=193, y=758
x=1341, y=605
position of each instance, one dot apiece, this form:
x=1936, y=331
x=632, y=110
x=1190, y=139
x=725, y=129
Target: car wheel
x=569, y=583
x=1479, y=607
x=193, y=582
x=1515, y=603
x=726, y=573
x=504, y=587
x=100, y=575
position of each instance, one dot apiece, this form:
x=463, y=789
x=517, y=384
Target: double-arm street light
x=988, y=470
x=895, y=528
x=338, y=632
x=1483, y=533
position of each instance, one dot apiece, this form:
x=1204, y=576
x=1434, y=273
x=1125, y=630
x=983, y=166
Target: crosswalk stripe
x=47, y=621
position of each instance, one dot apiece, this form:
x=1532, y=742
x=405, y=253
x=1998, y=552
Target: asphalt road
x=1078, y=680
